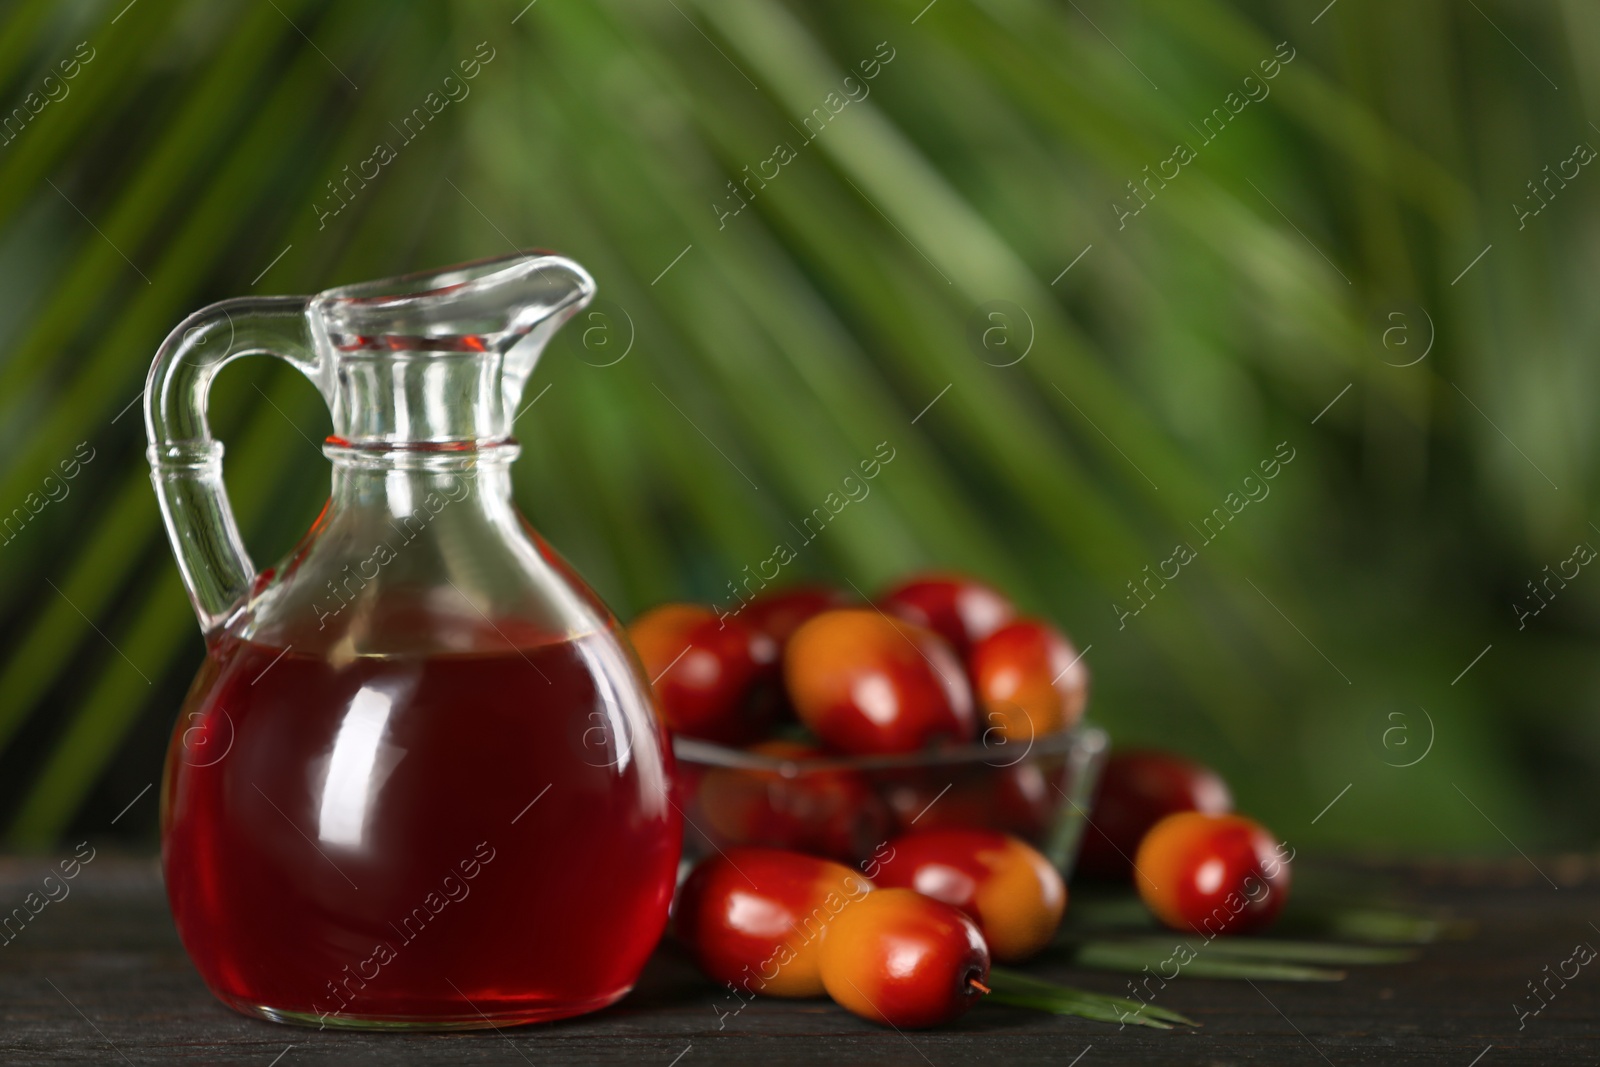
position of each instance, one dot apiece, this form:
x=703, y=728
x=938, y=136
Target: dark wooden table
x=99, y=977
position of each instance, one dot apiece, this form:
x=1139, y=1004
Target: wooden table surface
x=99, y=977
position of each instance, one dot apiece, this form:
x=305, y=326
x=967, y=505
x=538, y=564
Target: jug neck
x=403, y=478
x=411, y=398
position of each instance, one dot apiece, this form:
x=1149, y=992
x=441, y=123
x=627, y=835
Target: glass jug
x=418, y=781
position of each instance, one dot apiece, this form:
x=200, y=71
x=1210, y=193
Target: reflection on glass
x=349, y=789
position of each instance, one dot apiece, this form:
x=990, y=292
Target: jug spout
x=441, y=358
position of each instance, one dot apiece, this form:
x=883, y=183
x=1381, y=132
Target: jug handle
x=186, y=460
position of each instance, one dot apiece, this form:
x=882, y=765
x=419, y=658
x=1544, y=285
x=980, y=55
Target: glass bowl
x=849, y=807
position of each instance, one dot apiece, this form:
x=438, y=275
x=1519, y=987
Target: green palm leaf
x=837, y=311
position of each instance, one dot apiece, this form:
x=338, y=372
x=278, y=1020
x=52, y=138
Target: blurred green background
x=1308, y=277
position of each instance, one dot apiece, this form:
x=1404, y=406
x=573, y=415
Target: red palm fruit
x=755, y=917
x=779, y=613
x=963, y=611
x=704, y=670
x=1028, y=680
x=1212, y=874
x=832, y=813
x=1024, y=798
x=1011, y=891
x=868, y=684
x=900, y=958
x=1137, y=789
